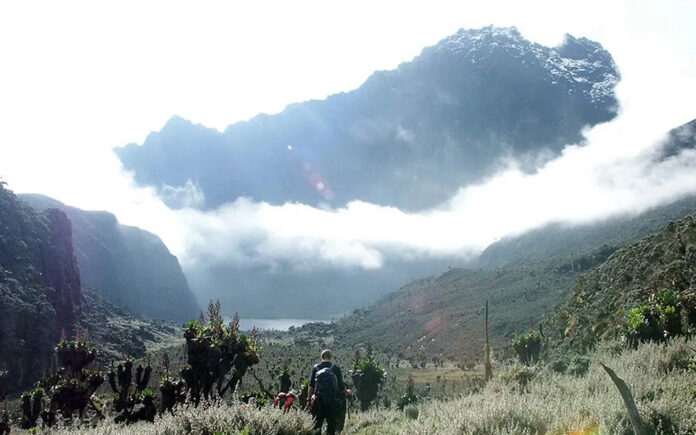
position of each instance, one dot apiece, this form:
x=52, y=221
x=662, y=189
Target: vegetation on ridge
x=610, y=301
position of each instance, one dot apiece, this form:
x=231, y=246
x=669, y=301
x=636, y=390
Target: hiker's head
x=326, y=355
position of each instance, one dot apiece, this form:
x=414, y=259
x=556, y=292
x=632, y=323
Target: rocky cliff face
x=39, y=287
x=60, y=272
x=129, y=267
x=41, y=295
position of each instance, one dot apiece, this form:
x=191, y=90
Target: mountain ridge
x=456, y=111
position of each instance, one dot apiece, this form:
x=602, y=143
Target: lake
x=245, y=324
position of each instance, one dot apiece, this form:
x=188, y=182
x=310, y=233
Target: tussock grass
x=205, y=420
x=662, y=378
x=519, y=400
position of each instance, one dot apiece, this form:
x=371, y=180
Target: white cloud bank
x=616, y=174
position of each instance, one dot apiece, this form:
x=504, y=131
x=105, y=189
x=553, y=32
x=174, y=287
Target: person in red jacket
x=289, y=400
x=279, y=400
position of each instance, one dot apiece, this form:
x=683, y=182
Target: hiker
x=343, y=409
x=279, y=400
x=325, y=390
x=289, y=400
x=304, y=397
x=250, y=399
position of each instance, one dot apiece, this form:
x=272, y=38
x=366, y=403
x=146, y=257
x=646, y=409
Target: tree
x=132, y=404
x=528, y=346
x=70, y=389
x=668, y=314
x=410, y=396
x=172, y=391
x=367, y=377
x=218, y=355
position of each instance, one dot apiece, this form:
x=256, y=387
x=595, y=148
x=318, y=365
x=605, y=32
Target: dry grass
x=205, y=420
x=662, y=384
x=519, y=400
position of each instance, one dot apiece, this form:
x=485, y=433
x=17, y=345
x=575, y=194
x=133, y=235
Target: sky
x=81, y=77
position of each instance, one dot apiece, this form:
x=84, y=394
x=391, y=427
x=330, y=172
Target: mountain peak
x=582, y=65
x=468, y=39
x=412, y=135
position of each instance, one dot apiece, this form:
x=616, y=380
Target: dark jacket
x=336, y=371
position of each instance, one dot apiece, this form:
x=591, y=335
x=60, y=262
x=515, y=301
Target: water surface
x=246, y=324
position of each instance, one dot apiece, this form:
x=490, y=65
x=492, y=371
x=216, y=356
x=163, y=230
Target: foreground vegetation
x=207, y=419
x=535, y=400
x=520, y=399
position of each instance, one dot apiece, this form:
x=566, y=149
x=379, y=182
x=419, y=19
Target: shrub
x=367, y=376
x=557, y=404
x=208, y=418
x=214, y=352
x=70, y=389
x=574, y=364
x=32, y=403
x=172, y=391
x=528, y=346
x=409, y=398
x=256, y=397
x=669, y=314
x=411, y=412
x=132, y=404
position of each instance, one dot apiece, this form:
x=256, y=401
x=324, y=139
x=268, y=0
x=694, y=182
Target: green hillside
x=445, y=314
x=525, y=279
x=633, y=276
x=563, y=242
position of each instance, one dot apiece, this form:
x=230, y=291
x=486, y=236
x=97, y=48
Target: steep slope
x=39, y=287
x=557, y=241
x=603, y=296
x=41, y=297
x=409, y=137
x=444, y=313
x=564, y=242
x=117, y=333
x=130, y=267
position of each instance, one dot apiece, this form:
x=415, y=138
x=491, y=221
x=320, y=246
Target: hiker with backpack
x=325, y=390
